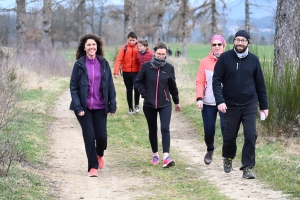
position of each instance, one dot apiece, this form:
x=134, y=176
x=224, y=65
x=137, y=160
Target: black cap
x=242, y=33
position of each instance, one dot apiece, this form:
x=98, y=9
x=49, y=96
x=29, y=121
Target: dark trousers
x=209, y=116
x=129, y=81
x=165, y=119
x=93, y=125
x=234, y=116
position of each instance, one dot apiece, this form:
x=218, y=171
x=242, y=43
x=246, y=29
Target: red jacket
x=144, y=57
x=127, y=59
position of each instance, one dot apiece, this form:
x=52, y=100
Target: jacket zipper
x=157, y=79
x=166, y=95
x=93, y=79
x=237, y=68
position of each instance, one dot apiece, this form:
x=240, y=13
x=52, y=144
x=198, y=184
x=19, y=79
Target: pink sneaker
x=93, y=172
x=155, y=160
x=168, y=162
x=101, y=162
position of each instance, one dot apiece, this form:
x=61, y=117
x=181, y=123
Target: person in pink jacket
x=205, y=96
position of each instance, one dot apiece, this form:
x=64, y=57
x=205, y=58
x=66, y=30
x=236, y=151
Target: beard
x=240, y=51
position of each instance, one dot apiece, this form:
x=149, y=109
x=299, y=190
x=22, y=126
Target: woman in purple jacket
x=93, y=96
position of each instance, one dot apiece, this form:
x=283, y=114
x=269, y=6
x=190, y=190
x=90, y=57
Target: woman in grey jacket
x=155, y=82
x=93, y=96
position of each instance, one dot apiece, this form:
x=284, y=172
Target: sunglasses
x=219, y=44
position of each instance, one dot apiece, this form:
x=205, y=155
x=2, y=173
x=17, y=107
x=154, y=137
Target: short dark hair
x=160, y=45
x=80, y=49
x=143, y=42
x=132, y=35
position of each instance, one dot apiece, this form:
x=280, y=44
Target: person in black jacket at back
x=93, y=96
x=238, y=84
x=155, y=82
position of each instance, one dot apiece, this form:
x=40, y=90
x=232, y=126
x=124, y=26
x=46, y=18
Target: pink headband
x=218, y=37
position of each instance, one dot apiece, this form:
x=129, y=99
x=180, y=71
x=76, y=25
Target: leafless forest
x=45, y=24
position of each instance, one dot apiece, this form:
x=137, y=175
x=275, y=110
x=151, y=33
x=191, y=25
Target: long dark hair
x=80, y=49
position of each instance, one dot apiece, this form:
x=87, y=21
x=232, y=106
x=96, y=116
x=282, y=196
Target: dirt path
x=69, y=180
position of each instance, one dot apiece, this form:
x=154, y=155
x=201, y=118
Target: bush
x=283, y=97
x=9, y=114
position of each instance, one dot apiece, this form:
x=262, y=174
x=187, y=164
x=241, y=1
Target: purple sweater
x=95, y=98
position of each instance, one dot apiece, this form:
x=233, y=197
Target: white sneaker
x=130, y=112
x=137, y=109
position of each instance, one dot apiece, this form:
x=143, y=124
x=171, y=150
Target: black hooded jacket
x=79, y=84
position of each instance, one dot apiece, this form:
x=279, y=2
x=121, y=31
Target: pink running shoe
x=93, y=172
x=168, y=162
x=101, y=162
x=155, y=160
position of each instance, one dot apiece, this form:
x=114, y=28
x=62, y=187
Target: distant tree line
x=65, y=21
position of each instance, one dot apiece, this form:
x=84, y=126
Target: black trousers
x=93, y=125
x=129, y=81
x=234, y=116
x=165, y=119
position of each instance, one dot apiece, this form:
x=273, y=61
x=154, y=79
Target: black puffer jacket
x=79, y=86
x=242, y=79
x=156, y=84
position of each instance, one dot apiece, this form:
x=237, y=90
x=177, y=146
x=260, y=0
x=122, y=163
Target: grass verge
x=36, y=104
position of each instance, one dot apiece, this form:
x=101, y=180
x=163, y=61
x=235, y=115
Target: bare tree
x=134, y=15
x=247, y=16
x=208, y=9
x=130, y=16
x=21, y=25
x=184, y=13
x=82, y=14
x=160, y=9
x=287, y=35
x=102, y=14
x=47, y=18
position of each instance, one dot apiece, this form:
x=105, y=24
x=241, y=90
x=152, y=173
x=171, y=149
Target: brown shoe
x=208, y=157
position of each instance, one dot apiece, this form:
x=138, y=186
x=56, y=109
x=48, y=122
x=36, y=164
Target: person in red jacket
x=127, y=57
x=145, y=54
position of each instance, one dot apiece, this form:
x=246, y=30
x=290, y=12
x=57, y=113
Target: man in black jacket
x=238, y=84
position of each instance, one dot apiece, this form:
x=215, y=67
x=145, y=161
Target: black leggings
x=165, y=118
x=93, y=125
x=129, y=81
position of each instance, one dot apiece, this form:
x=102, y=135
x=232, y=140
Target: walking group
x=229, y=83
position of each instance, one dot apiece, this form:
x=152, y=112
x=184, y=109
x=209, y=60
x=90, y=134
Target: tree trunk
x=160, y=17
x=92, y=14
x=135, y=15
x=127, y=10
x=101, y=19
x=247, y=16
x=47, y=18
x=82, y=14
x=213, y=17
x=21, y=25
x=287, y=36
x=184, y=26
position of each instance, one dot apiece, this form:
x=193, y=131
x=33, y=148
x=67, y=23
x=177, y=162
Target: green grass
x=129, y=142
x=33, y=141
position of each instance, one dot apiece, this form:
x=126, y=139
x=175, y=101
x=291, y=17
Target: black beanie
x=244, y=34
